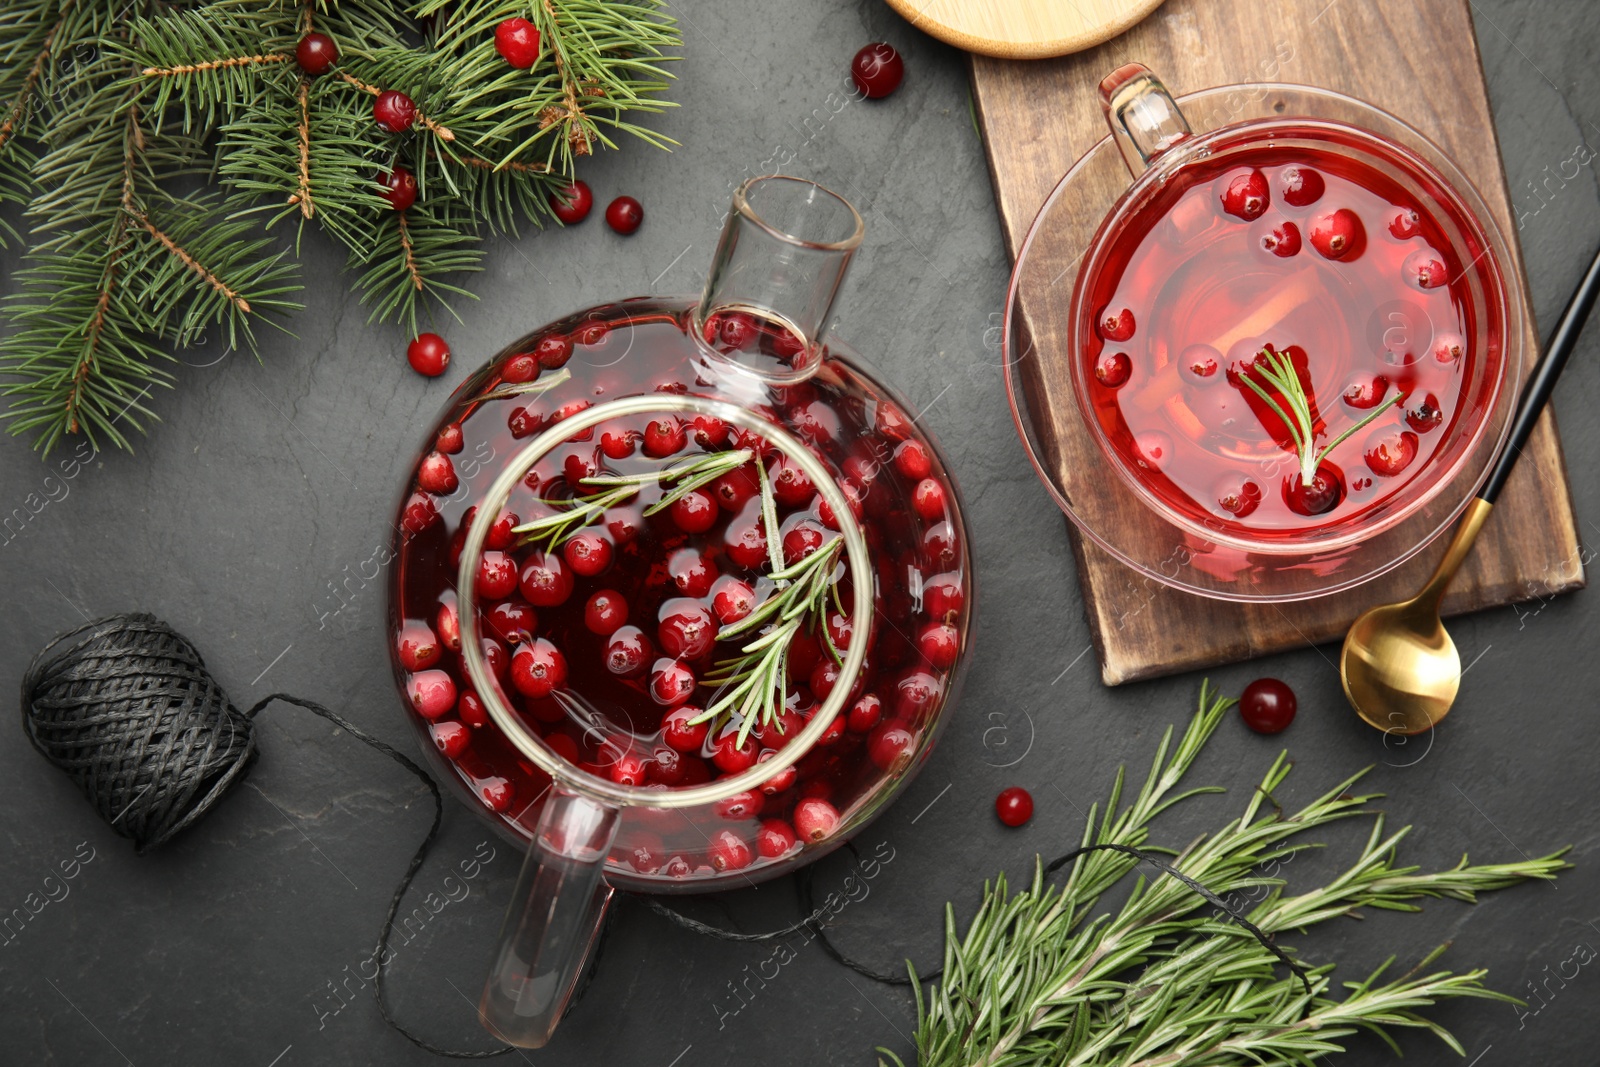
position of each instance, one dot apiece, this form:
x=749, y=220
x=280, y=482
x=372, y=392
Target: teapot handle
x=552, y=922
x=1144, y=119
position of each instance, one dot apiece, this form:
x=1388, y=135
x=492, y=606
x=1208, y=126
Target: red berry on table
x=939, y=644
x=1245, y=195
x=538, y=669
x=399, y=187
x=587, y=554
x=1267, y=705
x=545, y=580
x=437, y=474
x=450, y=439
x=679, y=730
x=394, y=111
x=729, y=852
x=694, y=512
x=1337, y=233
x=628, y=652
x=433, y=693
x=1391, y=451
x=606, y=612
x=572, y=203
x=429, y=355
x=1113, y=369
x=416, y=647
x=928, y=499
x=687, y=630
x=517, y=41
x=1405, y=223
x=775, y=839
x=1424, y=269
x=1116, y=325
x=1283, y=241
x=316, y=53
x=497, y=793
x=451, y=738
x=672, y=683
x=1302, y=186
x=877, y=70
x=1014, y=806
x=815, y=819
x=733, y=599
x=624, y=215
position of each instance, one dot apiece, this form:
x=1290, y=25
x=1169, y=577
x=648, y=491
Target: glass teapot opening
x=782, y=256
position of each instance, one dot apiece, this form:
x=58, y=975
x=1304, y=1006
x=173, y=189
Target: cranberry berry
x=572, y=204
x=815, y=819
x=437, y=474
x=694, y=512
x=429, y=355
x=606, y=612
x=1116, y=325
x=433, y=693
x=1391, y=451
x=1245, y=196
x=316, y=54
x=1014, y=806
x=451, y=738
x=1267, y=705
x=939, y=644
x=1405, y=223
x=687, y=630
x=624, y=215
x=546, y=581
x=1318, y=496
x=928, y=499
x=733, y=600
x=1424, y=269
x=664, y=437
x=538, y=669
x=1113, y=369
x=775, y=839
x=517, y=41
x=731, y=756
x=399, y=187
x=1302, y=186
x=587, y=554
x=394, y=111
x=672, y=683
x=877, y=70
x=1283, y=241
x=1337, y=234
x=628, y=652
x=679, y=730
x=416, y=647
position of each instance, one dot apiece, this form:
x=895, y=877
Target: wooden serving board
x=1023, y=29
x=1417, y=61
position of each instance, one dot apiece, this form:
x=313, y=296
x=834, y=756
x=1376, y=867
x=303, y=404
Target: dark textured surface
x=271, y=480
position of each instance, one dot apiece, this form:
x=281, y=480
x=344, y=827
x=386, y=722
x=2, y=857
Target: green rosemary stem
x=1279, y=372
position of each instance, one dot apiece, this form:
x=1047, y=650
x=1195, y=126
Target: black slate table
x=270, y=482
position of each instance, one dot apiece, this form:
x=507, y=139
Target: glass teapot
x=681, y=593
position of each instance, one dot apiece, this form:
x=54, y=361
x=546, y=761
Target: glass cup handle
x=1144, y=119
x=552, y=922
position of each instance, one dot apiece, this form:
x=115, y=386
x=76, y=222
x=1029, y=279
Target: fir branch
x=415, y=250
x=1160, y=983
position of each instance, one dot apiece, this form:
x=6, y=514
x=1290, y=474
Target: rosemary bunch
x=1040, y=978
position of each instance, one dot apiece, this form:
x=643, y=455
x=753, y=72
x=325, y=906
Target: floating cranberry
x=1336, y=234
x=618, y=443
x=1283, y=241
x=784, y=779
x=889, y=746
x=939, y=544
x=1302, y=186
x=511, y=621
x=1267, y=705
x=694, y=512
x=316, y=54
x=624, y=524
x=1405, y=223
x=928, y=499
x=801, y=542
x=791, y=486
x=692, y=573
x=552, y=352
x=1116, y=326
x=437, y=474
x=628, y=768
x=572, y=203
x=1014, y=806
x=497, y=793
x=520, y=367
x=664, y=437
x=517, y=41
x=399, y=187
x=877, y=70
x=1238, y=495
x=743, y=805
x=686, y=630
x=587, y=554
x=778, y=731
x=735, y=488
x=1199, y=363
x=890, y=421
x=1424, y=269
x=494, y=655
x=471, y=709
x=593, y=334
x=731, y=756
x=736, y=330
x=450, y=738
x=911, y=460
x=1151, y=449
x=545, y=580
x=606, y=612
x=449, y=627
x=503, y=531
x=416, y=647
x=450, y=439
x=497, y=576
x=732, y=599
x=538, y=669
x=1391, y=451
x=852, y=494
x=1448, y=347
x=562, y=747
x=708, y=431
x=671, y=683
x=1426, y=415
x=942, y=594
x=939, y=644
x=815, y=819
x=1112, y=369
x=1365, y=390
x=747, y=544
x=775, y=839
x=1318, y=496
x=624, y=215
x=824, y=676
x=729, y=851
x=524, y=422
x=864, y=714
x=667, y=766
x=1245, y=195
x=394, y=111
x=571, y=409
x=681, y=732
x=433, y=693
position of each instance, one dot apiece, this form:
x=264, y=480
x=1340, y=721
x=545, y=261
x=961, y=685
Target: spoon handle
x=1545, y=373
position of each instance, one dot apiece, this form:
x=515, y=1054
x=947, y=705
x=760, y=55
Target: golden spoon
x=1399, y=667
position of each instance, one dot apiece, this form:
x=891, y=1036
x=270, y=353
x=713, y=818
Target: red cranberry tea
x=665, y=597
x=1282, y=341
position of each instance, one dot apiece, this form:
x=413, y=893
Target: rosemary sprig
x=538, y=387
x=1279, y=372
x=758, y=676
x=574, y=514
x=1035, y=980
